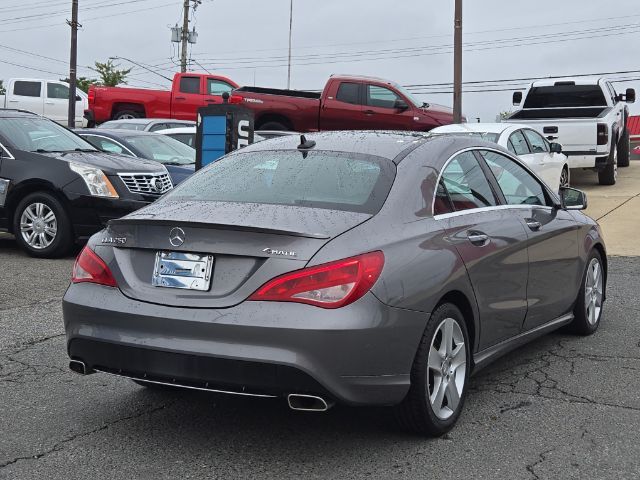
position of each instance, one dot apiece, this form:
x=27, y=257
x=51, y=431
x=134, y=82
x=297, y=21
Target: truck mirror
x=517, y=98
x=401, y=105
x=630, y=95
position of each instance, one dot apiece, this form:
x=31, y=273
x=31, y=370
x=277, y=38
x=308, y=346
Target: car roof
x=15, y=113
x=149, y=121
x=191, y=129
x=473, y=128
x=116, y=132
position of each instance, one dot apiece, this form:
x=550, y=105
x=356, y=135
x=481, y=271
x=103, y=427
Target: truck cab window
x=381, y=97
x=57, y=90
x=190, y=85
x=349, y=93
x=217, y=87
x=27, y=89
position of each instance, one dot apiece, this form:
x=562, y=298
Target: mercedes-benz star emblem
x=176, y=236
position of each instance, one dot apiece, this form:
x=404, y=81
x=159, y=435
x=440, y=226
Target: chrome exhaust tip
x=79, y=367
x=307, y=403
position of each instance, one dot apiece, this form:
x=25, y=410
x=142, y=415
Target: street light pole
x=457, y=64
x=290, y=30
x=73, y=65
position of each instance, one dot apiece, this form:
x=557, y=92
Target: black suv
x=56, y=188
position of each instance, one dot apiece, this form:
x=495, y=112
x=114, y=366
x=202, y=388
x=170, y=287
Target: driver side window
x=518, y=186
x=381, y=97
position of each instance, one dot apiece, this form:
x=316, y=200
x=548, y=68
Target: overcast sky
x=406, y=40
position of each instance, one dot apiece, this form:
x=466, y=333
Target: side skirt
x=488, y=355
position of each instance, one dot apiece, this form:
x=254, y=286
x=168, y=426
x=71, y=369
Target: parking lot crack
x=541, y=458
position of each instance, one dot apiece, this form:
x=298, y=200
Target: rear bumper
x=360, y=355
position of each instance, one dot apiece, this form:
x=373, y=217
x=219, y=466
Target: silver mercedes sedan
x=365, y=268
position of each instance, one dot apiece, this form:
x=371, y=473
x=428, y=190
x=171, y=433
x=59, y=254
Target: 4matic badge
x=282, y=253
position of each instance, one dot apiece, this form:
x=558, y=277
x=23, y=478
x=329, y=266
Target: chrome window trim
x=7, y=153
x=444, y=216
x=111, y=140
x=495, y=150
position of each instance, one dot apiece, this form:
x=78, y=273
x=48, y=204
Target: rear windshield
x=124, y=126
x=565, y=96
x=489, y=137
x=317, y=179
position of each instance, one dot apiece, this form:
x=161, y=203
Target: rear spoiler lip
x=217, y=226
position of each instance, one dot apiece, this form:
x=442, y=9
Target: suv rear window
x=318, y=179
x=565, y=96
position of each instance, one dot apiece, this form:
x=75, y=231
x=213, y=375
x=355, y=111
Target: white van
x=49, y=98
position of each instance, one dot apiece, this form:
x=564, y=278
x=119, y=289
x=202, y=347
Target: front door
x=552, y=240
x=492, y=244
x=381, y=112
x=342, y=107
x=188, y=98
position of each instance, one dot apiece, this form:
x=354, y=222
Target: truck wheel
x=624, y=150
x=127, y=114
x=609, y=174
x=274, y=126
x=42, y=227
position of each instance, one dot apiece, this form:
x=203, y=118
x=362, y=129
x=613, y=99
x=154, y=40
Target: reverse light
x=89, y=267
x=95, y=179
x=330, y=285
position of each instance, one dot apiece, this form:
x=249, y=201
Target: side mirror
x=555, y=147
x=517, y=98
x=401, y=105
x=630, y=95
x=573, y=199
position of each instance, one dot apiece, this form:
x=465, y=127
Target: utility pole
x=185, y=37
x=73, y=64
x=290, y=29
x=457, y=64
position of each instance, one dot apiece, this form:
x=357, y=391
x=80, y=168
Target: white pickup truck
x=49, y=98
x=586, y=116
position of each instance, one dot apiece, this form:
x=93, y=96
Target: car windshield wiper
x=42, y=150
x=84, y=150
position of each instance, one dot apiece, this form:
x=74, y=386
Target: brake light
x=89, y=267
x=91, y=95
x=331, y=285
x=603, y=134
x=235, y=99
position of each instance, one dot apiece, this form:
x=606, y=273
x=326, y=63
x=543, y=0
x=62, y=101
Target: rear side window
x=317, y=179
x=442, y=202
x=27, y=89
x=349, y=93
x=466, y=183
x=517, y=184
x=518, y=144
x=565, y=96
x=190, y=85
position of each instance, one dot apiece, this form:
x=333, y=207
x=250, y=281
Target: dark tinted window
x=538, y=144
x=349, y=93
x=565, y=96
x=190, y=85
x=518, y=143
x=467, y=184
x=517, y=184
x=442, y=203
x=27, y=89
x=332, y=180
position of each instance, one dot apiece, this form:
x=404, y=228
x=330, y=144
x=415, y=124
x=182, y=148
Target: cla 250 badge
x=114, y=240
x=282, y=253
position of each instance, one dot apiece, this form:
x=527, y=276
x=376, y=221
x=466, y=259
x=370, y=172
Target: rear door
x=492, y=244
x=381, y=113
x=56, y=104
x=552, y=240
x=342, y=106
x=26, y=95
x=546, y=167
x=188, y=97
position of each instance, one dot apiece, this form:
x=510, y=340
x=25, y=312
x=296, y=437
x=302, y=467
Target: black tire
x=581, y=324
x=624, y=150
x=127, y=114
x=416, y=413
x=63, y=240
x=274, y=126
x=609, y=174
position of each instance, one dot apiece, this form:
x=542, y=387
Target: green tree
x=83, y=83
x=110, y=75
x=2, y=89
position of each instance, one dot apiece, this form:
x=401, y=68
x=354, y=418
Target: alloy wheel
x=593, y=291
x=38, y=225
x=447, y=368
x=564, y=177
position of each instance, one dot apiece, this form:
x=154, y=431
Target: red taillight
x=91, y=95
x=331, y=285
x=603, y=134
x=89, y=267
x=235, y=99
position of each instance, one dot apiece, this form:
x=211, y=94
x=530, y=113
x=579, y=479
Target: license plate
x=189, y=271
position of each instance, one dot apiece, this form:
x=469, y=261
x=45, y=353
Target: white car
x=146, y=124
x=186, y=135
x=545, y=159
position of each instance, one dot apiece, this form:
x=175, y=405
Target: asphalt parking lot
x=562, y=407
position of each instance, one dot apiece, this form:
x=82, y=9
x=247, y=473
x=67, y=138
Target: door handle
x=478, y=239
x=49, y=103
x=180, y=98
x=369, y=112
x=533, y=224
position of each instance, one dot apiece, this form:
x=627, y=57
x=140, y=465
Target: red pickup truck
x=189, y=92
x=346, y=103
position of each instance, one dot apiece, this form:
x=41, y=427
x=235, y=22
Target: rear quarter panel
x=301, y=113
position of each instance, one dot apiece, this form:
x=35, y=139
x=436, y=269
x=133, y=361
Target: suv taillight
x=89, y=267
x=330, y=285
x=603, y=134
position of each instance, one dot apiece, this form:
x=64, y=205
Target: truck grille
x=149, y=183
